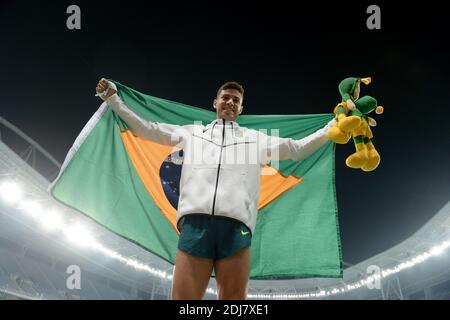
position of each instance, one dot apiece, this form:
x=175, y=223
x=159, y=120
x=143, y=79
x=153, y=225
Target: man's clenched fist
x=102, y=85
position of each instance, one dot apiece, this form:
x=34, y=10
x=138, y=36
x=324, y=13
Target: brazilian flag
x=131, y=187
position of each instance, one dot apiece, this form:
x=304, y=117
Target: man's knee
x=190, y=277
x=232, y=275
x=186, y=293
x=232, y=290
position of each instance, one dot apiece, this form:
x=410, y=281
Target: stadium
x=51, y=252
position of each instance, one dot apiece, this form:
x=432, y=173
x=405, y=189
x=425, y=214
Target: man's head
x=228, y=102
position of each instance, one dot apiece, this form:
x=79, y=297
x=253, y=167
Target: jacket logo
x=244, y=233
x=238, y=133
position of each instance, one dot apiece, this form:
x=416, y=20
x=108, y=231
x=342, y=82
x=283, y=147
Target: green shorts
x=213, y=237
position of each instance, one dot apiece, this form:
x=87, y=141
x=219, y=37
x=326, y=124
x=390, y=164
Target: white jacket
x=222, y=161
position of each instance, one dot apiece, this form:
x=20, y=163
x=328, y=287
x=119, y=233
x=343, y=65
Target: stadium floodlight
x=10, y=192
x=130, y=262
x=51, y=220
x=31, y=207
x=79, y=235
x=439, y=249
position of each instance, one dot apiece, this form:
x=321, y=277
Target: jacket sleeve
x=167, y=134
x=297, y=150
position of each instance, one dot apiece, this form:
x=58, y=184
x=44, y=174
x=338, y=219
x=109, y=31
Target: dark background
x=290, y=58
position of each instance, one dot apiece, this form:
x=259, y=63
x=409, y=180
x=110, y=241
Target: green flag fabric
x=297, y=231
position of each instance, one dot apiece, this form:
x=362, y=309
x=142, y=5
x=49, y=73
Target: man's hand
x=102, y=85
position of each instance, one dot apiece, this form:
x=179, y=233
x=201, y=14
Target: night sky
x=290, y=60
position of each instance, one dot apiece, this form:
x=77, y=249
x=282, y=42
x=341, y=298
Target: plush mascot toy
x=353, y=121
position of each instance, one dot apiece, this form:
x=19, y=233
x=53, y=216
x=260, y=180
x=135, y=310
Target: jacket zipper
x=218, y=169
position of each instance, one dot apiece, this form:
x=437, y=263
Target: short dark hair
x=231, y=85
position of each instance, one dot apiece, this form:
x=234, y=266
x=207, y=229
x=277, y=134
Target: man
x=219, y=193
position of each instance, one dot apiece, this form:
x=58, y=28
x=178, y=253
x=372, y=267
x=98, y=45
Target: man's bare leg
x=232, y=275
x=190, y=277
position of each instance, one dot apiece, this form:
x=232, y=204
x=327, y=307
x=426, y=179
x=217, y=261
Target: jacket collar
x=220, y=122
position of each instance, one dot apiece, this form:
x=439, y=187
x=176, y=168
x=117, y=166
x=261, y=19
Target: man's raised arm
x=162, y=133
x=287, y=148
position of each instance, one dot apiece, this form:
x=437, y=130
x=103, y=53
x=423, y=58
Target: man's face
x=228, y=104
